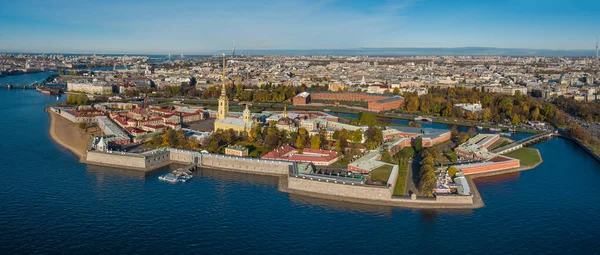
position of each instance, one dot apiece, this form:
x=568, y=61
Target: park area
x=382, y=173
x=527, y=156
x=401, y=181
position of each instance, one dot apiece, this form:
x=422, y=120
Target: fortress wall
x=246, y=164
x=338, y=189
x=183, y=157
x=372, y=195
x=116, y=159
x=157, y=159
x=454, y=199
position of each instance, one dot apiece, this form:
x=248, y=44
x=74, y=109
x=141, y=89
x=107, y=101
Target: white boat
x=175, y=178
x=495, y=129
x=171, y=178
x=505, y=134
x=479, y=127
x=185, y=177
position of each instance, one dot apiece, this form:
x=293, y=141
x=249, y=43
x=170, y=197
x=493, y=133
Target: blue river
x=50, y=203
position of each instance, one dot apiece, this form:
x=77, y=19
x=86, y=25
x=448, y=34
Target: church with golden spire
x=226, y=122
x=223, y=110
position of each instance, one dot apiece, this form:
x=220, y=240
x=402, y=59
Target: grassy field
x=401, y=181
x=528, y=156
x=254, y=150
x=382, y=173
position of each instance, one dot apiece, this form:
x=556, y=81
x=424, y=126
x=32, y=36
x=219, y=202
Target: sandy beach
x=68, y=134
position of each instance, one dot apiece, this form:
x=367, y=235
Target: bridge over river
x=519, y=144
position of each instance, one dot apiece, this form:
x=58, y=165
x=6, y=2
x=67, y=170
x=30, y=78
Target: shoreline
x=72, y=139
x=54, y=135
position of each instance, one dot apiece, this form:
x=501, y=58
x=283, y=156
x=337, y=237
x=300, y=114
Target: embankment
x=585, y=148
x=290, y=183
x=68, y=134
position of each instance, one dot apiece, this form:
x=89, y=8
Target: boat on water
x=175, y=177
x=506, y=134
x=495, y=129
x=512, y=130
x=479, y=127
x=170, y=177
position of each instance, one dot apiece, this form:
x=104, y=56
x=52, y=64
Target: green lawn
x=382, y=173
x=528, y=156
x=401, y=181
x=254, y=149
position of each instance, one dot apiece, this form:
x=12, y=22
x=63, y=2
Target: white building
x=476, y=107
x=95, y=87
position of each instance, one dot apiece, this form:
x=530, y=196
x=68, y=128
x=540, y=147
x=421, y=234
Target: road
x=412, y=177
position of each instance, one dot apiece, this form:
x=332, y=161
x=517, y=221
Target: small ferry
x=170, y=177
x=495, y=129
x=506, y=134
x=479, y=127
x=175, y=177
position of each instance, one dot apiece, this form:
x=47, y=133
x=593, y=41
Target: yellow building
x=224, y=122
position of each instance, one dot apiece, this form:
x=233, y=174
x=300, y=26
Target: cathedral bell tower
x=223, y=99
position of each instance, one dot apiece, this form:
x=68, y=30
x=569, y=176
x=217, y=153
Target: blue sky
x=195, y=26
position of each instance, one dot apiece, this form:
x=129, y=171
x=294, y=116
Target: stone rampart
x=372, y=195
x=338, y=189
x=454, y=199
x=116, y=159
x=247, y=165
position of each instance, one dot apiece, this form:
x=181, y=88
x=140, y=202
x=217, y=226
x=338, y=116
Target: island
x=314, y=153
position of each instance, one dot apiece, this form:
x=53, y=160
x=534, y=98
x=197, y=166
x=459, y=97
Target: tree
x=418, y=143
x=407, y=152
x=427, y=181
x=82, y=125
x=336, y=135
x=254, y=133
x=299, y=142
x=463, y=137
x=486, y=115
x=454, y=131
x=516, y=120
x=428, y=160
x=452, y=171
x=367, y=118
x=357, y=136
x=472, y=132
x=315, y=142
x=386, y=157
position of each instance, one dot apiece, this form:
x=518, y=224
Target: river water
x=50, y=203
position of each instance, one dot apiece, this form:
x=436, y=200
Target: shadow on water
x=259, y=180
x=340, y=205
x=102, y=171
x=498, y=178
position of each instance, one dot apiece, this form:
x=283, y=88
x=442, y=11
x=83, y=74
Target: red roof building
x=289, y=153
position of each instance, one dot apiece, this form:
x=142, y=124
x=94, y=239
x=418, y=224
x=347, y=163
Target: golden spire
x=284, y=115
x=223, y=76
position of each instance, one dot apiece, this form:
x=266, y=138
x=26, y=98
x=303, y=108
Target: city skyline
x=191, y=27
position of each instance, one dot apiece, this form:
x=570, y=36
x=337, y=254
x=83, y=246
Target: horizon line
x=217, y=52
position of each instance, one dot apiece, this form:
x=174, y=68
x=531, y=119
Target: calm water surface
x=49, y=203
